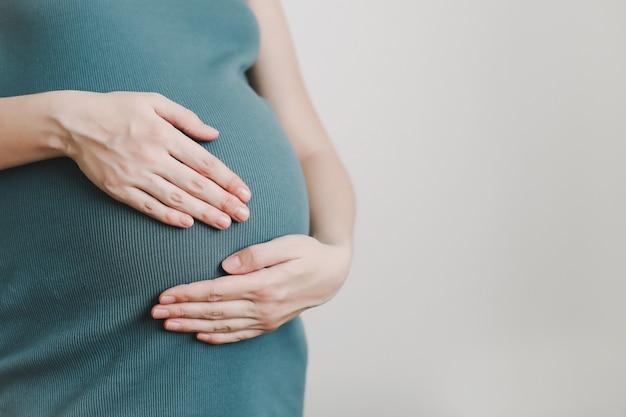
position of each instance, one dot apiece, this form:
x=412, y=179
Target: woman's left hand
x=270, y=284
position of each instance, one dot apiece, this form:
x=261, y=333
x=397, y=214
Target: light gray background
x=487, y=143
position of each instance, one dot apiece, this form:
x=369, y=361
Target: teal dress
x=79, y=271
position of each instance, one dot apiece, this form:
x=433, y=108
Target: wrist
x=335, y=241
x=55, y=134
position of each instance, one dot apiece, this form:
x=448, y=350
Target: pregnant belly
x=80, y=271
x=68, y=248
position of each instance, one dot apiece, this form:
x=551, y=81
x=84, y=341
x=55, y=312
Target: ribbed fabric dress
x=79, y=272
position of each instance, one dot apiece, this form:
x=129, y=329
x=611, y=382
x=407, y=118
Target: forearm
x=28, y=131
x=331, y=198
x=276, y=76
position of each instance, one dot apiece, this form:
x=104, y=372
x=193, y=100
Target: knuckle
x=267, y=313
x=171, y=216
x=249, y=311
x=253, y=255
x=208, y=166
x=229, y=203
x=233, y=183
x=114, y=187
x=179, y=312
x=272, y=293
x=126, y=168
x=196, y=186
x=151, y=130
x=176, y=198
x=269, y=326
x=264, y=294
x=223, y=329
x=136, y=148
x=110, y=185
x=148, y=206
x=215, y=295
x=208, y=217
x=154, y=133
x=213, y=314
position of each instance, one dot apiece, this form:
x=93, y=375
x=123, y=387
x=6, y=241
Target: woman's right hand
x=136, y=147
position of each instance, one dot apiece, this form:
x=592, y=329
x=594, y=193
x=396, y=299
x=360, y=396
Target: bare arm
x=28, y=132
x=276, y=76
x=133, y=146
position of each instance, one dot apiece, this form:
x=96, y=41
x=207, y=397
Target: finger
x=209, y=326
x=233, y=287
x=196, y=157
x=145, y=203
x=205, y=190
x=177, y=198
x=221, y=338
x=182, y=118
x=204, y=310
x=263, y=255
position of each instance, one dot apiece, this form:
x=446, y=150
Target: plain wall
x=487, y=144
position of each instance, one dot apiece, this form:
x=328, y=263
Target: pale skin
x=142, y=159
x=131, y=146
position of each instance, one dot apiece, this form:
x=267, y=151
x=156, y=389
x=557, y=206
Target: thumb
x=262, y=255
x=183, y=119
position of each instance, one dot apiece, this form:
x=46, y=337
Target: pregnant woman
x=148, y=267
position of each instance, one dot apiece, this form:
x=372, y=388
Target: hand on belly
x=136, y=147
x=271, y=283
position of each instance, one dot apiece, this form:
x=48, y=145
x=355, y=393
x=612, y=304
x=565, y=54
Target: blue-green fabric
x=79, y=272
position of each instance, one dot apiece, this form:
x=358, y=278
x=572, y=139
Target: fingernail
x=213, y=130
x=167, y=299
x=244, y=194
x=233, y=263
x=186, y=221
x=223, y=221
x=242, y=213
x=160, y=313
x=173, y=325
x=204, y=337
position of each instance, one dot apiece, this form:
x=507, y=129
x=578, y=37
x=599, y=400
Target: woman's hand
x=135, y=147
x=270, y=284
